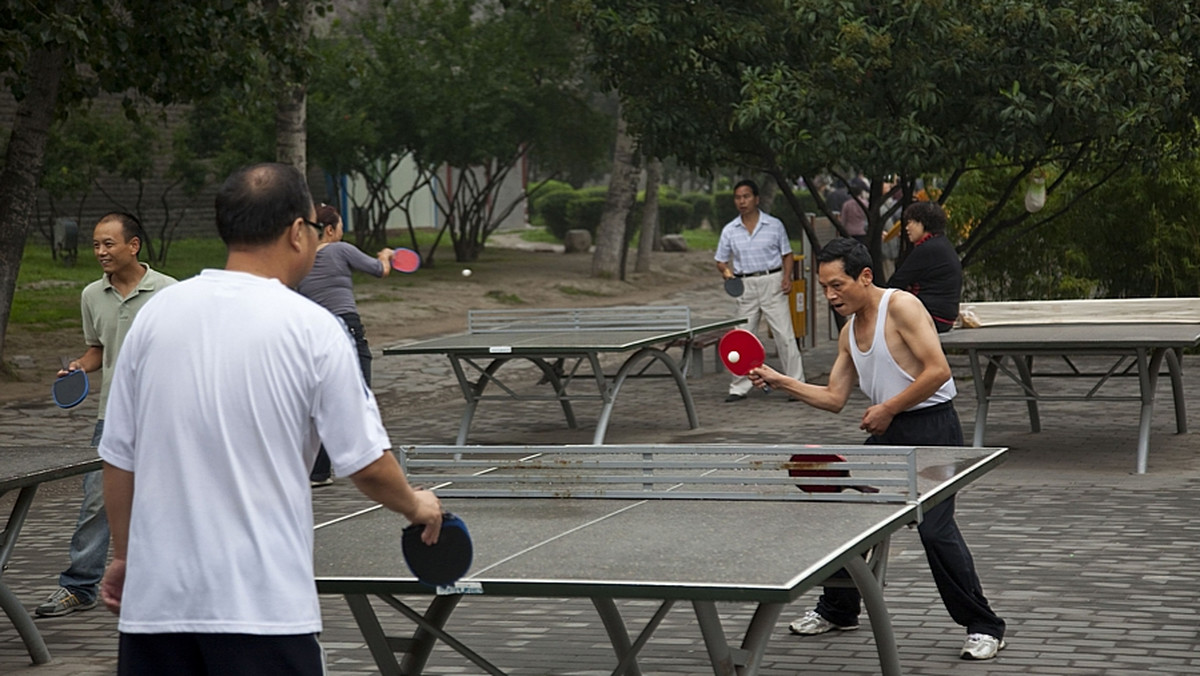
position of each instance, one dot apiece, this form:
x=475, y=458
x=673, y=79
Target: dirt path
x=510, y=274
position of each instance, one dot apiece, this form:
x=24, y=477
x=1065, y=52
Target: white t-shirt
x=224, y=388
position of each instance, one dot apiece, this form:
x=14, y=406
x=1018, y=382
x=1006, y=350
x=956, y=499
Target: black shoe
x=734, y=397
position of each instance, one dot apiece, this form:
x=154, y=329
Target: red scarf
x=925, y=238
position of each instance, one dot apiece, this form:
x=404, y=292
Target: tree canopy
x=61, y=53
x=470, y=85
x=918, y=88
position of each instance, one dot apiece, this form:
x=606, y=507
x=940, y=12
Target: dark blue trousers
x=949, y=558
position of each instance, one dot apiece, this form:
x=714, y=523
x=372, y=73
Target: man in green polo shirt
x=109, y=305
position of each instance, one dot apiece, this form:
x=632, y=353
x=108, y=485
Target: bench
x=694, y=347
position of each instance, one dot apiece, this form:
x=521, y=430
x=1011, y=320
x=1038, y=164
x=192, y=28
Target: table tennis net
x=666, y=472
x=629, y=318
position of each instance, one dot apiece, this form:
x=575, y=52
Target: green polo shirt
x=107, y=317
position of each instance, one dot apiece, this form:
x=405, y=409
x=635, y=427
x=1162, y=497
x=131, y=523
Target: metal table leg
x=34, y=643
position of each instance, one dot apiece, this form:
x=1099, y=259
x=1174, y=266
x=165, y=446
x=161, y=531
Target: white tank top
x=879, y=376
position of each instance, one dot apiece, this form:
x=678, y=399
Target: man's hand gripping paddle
x=741, y=351
x=70, y=390
x=443, y=563
x=405, y=260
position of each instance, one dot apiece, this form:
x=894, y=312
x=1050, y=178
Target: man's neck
x=870, y=311
x=750, y=220
x=127, y=279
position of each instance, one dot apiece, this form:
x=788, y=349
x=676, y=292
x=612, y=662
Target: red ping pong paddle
x=405, y=260
x=71, y=389
x=442, y=563
x=823, y=458
x=741, y=352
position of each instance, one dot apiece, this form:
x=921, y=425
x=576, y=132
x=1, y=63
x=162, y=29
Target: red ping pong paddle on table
x=823, y=459
x=443, y=563
x=405, y=260
x=741, y=352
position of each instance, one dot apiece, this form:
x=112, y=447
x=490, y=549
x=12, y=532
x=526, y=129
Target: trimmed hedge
x=553, y=211
x=702, y=208
x=585, y=211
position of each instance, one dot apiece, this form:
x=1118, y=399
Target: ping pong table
x=1131, y=350
x=566, y=344
x=25, y=468
x=699, y=524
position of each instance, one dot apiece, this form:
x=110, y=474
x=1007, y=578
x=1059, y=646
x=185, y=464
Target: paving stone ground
x=1091, y=565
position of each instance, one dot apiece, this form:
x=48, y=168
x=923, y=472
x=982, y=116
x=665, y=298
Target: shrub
x=540, y=191
x=553, y=211
x=584, y=212
x=673, y=216
x=702, y=208
x=723, y=208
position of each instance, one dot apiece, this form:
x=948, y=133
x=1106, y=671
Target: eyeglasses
x=320, y=228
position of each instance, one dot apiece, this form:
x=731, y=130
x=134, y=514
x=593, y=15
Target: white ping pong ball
x=734, y=357
x=466, y=272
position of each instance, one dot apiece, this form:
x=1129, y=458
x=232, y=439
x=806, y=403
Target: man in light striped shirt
x=755, y=247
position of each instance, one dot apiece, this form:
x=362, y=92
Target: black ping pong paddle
x=443, y=563
x=823, y=459
x=734, y=286
x=70, y=390
x=405, y=260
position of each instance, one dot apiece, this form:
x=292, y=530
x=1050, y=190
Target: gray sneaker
x=812, y=624
x=63, y=602
x=981, y=647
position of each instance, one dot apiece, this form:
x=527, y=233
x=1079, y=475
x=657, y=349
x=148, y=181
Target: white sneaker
x=981, y=647
x=813, y=624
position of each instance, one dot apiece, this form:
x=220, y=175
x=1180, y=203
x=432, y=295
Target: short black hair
x=130, y=225
x=749, y=184
x=930, y=215
x=852, y=253
x=257, y=203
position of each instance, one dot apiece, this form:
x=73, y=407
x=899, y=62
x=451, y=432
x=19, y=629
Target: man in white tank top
x=890, y=346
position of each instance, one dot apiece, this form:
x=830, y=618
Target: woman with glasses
x=331, y=286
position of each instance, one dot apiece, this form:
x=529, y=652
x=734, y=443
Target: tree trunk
x=22, y=168
x=622, y=190
x=291, y=141
x=649, y=216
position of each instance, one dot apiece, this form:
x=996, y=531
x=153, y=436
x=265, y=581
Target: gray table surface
x=716, y=550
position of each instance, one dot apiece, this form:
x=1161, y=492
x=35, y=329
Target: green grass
x=47, y=294
x=576, y=291
x=539, y=235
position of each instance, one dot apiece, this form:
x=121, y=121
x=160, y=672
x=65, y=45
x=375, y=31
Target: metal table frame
x=24, y=469
x=862, y=554
x=1136, y=350
x=498, y=337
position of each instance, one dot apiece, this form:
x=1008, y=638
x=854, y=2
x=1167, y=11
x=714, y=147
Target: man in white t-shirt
x=225, y=388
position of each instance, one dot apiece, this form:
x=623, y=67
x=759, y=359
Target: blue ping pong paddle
x=71, y=389
x=442, y=563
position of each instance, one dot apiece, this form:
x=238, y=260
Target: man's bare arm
x=831, y=397
x=384, y=482
x=118, y=504
x=92, y=360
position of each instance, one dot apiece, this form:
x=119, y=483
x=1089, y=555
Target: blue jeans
x=89, y=544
